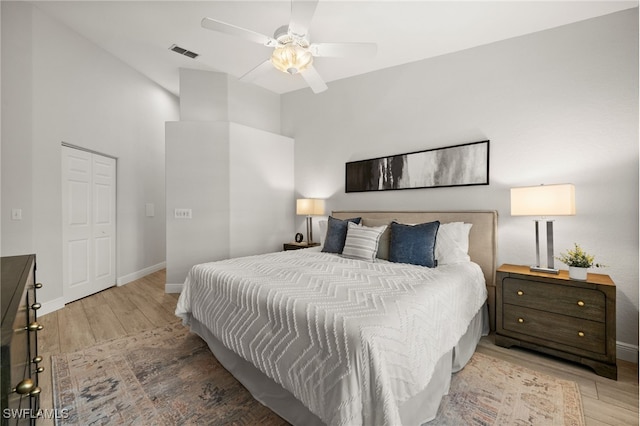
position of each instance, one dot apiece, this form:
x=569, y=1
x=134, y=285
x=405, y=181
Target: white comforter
x=351, y=340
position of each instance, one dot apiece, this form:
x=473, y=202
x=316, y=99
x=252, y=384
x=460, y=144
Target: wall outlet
x=182, y=213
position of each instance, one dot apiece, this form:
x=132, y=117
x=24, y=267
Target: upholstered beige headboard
x=483, y=236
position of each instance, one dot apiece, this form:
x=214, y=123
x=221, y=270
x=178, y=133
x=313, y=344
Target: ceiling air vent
x=184, y=52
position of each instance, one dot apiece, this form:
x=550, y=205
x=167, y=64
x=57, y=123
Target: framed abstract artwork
x=458, y=165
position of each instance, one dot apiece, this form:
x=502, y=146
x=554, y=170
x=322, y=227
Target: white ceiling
x=141, y=32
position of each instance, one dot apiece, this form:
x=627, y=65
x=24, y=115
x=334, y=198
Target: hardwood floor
x=112, y=313
x=143, y=304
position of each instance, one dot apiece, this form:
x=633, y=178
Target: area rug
x=168, y=376
x=489, y=391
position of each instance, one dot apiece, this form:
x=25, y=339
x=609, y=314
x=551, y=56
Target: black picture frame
x=457, y=165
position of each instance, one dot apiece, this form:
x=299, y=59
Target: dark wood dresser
x=570, y=319
x=20, y=359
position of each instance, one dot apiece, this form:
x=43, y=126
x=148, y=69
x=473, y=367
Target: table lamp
x=309, y=207
x=544, y=200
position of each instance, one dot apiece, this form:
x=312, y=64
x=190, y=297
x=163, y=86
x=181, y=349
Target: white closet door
x=89, y=226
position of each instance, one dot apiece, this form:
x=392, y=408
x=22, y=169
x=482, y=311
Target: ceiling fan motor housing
x=284, y=36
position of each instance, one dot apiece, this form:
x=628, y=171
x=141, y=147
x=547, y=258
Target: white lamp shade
x=543, y=200
x=309, y=206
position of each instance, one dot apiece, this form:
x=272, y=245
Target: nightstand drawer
x=578, y=302
x=578, y=333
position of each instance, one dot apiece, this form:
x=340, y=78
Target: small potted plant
x=578, y=262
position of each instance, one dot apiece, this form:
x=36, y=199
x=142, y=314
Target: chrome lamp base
x=545, y=270
x=550, y=269
x=309, y=230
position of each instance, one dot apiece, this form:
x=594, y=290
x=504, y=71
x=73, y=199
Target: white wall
x=558, y=106
x=197, y=178
x=0, y=131
x=79, y=94
x=203, y=95
x=236, y=179
x=262, y=191
x=17, y=120
x=253, y=106
x=214, y=96
x=238, y=183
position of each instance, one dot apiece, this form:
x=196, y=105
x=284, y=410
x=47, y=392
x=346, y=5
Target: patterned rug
x=165, y=376
x=168, y=376
x=489, y=391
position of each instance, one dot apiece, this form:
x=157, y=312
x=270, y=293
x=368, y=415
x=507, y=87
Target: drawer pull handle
x=581, y=333
x=34, y=326
x=520, y=293
x=36, y=306
x=37, y=285
x=520, y=320
x=39, y=370
x=24, y=387
x=37, y=360
x=580, y=303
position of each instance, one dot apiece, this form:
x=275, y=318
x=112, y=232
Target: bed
x=339, y=339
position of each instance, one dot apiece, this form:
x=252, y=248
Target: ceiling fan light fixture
x=291, y=58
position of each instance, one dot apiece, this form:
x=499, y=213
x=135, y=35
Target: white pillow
x=323, y=231
x=362, y=241
x=452, y=243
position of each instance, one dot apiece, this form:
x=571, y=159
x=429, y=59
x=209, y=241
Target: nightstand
x=553, y=314
x=296, y=246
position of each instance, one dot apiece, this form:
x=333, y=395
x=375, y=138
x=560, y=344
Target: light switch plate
x=182, y=213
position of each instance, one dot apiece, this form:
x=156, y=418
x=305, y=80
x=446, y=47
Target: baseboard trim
x=627, y=352
x=126, y=279
x=173, y=288
x=51, y=306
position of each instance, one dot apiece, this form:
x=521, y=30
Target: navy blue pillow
x=337, y=234
x=414, y=244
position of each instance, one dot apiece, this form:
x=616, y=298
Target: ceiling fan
x=293, y=53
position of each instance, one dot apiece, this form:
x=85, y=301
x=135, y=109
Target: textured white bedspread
x=351, y=340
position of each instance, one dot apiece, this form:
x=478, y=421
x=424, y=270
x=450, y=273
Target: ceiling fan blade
x=342, y=50
x=301, y=15
x=263, y=68
x=223, y=27
x=314, y=80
